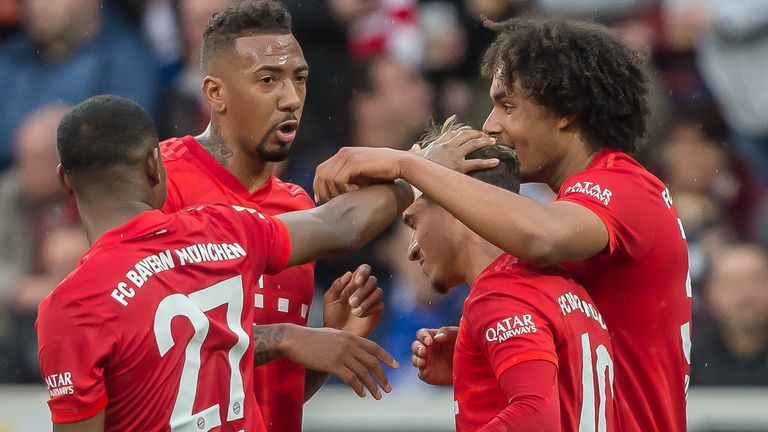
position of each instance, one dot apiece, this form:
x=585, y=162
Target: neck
x=744, y=343
x=106, y=213
x=253, y=173
x=477, y=255
x=578, y=157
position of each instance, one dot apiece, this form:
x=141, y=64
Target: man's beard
x=439, y=287
x=279, y=154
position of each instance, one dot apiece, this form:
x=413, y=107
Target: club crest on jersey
x=60, y=384
x=510, y=327
x=592, y=189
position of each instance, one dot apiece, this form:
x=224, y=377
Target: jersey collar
x=223, y=175
x=145, y=223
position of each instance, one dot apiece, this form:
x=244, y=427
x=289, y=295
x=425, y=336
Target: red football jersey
x=515, y=314
x=641, y=285
x=155, y=323
x=195, y=177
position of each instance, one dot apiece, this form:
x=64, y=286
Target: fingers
x=372, y=303
x=425, y=336
x=418, y=349
x=337, y=287
x=325, y=185
x=359, y=288
x=476, y=144
x=362, y=273
x=418, y=362
x=362, y=373
x=462, y=136
x=447, y=334
x=350, y=378
x=478, y=164
x=374, y=367
x=381, y=354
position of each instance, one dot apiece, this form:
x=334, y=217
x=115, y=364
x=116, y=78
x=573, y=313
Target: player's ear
x=154, y=166
x=568, y=123
x=215, y=93
x=64, y=180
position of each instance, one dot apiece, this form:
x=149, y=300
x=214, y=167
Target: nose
x=290, y=100
x=492, y=126
x=414, y=252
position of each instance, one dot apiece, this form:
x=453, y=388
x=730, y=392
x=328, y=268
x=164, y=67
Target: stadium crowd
x=379, y=70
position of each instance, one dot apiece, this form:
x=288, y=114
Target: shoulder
x=509, y=280
x=74, y=295
x=291, y=195
x=611, y=172
x=173, y=149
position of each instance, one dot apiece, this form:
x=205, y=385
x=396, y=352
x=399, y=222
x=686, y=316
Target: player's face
x=431, y=243
x=531, y=130
x=266, y=91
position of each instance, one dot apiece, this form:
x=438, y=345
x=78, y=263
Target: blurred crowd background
x=380, y=69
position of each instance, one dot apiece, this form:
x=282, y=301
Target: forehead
x=270, y=49
x=499, y=90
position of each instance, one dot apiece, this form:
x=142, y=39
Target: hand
x=353, y=303
x=433, y=354
x=352, y=167
x=351, y=358
x=451, y=149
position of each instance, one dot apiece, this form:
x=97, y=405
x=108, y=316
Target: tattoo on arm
x=217, y=146
x=266, y=340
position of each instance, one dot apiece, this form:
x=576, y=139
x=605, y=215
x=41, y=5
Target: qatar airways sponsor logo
x=60, y=384
x=570, y=303
x=510, y=327
x=603, y=194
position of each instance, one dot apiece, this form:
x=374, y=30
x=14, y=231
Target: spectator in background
x=731, y=41
x=59, y=252
x=391, y=105
x=70, y=50
x=184, y=110
x=731, y=348
x=322, y=28
x=32, y=205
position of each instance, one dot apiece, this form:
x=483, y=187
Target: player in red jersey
x=570, y=98
x=532, y=352
x=255, y=83
x=153, y=330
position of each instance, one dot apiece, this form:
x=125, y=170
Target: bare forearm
x=268, y=343
x=313, y=382
x=345, y=223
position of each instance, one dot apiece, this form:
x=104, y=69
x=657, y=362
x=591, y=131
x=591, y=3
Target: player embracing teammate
x=570, y=99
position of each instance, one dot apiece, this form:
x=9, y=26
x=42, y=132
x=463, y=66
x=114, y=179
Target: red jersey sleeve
x=619, y=199
x=75, y=345
x=508, y=324
x=266, y=233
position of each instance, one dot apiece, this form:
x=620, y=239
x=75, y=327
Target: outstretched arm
x=345, y=223
x=540, y=233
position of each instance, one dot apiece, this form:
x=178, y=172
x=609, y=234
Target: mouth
x=286, y=131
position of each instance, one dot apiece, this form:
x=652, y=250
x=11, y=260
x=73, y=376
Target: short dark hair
x=505, y=175
x=243, y=19
x=103, y=132
x=574, y=68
